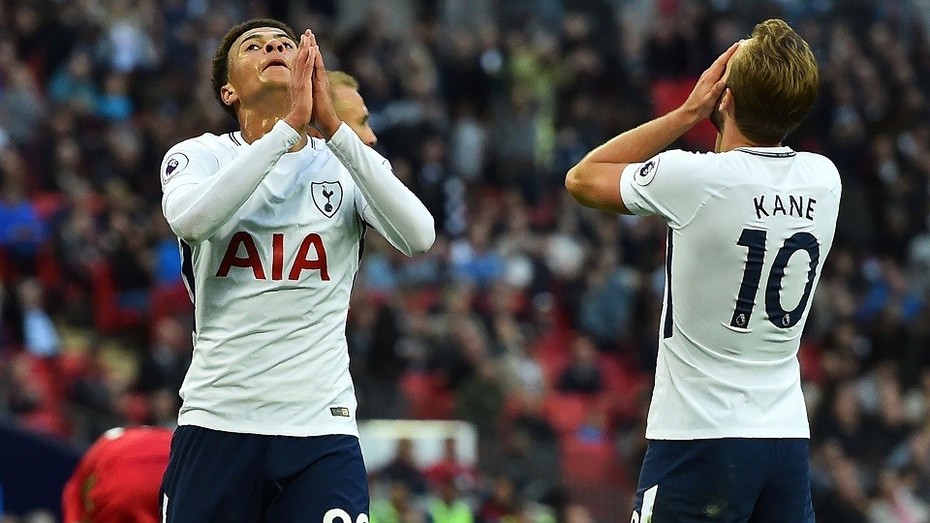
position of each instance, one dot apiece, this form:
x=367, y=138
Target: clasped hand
x=311, y=102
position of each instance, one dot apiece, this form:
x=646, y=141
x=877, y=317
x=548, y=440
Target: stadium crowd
x=532, y=318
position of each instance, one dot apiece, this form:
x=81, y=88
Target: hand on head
x=700, y=103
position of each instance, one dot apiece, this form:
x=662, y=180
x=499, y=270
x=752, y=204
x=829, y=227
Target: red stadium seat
x=567, y=412
x=590, y=463
x=109, y=317
x=169, y=300
x=426, y=396
x=669, y=94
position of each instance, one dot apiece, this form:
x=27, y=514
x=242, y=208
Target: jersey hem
x=269, y=429
x=718, y=434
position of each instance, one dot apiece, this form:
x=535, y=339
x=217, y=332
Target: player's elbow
x=188, y=231
x=423, y=238
x=575, y=184
x=186, y=223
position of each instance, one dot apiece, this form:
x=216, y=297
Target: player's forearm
x=196, y=210
x=398, y=213
x=643, y=142
x=593, y=181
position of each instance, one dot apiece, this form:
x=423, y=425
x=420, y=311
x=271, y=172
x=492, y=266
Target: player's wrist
x=329, y=126
x=296, y=121
x=685, y=117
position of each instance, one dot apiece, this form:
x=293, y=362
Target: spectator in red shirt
x=464, y=475
x=119, y=477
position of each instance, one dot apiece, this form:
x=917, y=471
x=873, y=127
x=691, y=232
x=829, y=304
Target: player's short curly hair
x=220, y=71
x=774, y=80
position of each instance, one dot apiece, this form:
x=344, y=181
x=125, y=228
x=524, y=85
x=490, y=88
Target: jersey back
x=749, y=231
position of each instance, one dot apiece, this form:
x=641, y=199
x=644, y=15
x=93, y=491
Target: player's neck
x=257, y=120
x=731, y=139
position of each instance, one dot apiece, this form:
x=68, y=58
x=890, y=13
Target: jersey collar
x=236, y=138
x=768, y=152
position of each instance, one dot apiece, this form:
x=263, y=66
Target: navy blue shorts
x=725, y=480
x=216, y=476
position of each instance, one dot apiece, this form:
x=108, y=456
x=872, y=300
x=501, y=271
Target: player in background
x=350, y=106
x=750, y=226
x=118, y=478
x=270, y=222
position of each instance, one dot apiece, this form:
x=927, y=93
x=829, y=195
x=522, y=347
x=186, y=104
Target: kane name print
x=788, y=205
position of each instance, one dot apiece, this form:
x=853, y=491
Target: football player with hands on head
x=749, y=228
x=270, y=222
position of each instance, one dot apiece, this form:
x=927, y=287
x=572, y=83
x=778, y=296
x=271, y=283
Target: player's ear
x=228, y=94
x=726, y=101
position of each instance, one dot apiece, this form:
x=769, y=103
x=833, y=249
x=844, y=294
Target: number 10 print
x=754, y=240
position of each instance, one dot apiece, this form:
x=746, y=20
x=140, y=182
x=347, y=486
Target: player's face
x=350, y=108
x=260, y=58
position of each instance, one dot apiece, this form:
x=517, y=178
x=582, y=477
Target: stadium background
x=532, y=318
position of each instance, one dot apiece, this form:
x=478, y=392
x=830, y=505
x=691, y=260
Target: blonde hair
x=339, y=78
x=773, y=78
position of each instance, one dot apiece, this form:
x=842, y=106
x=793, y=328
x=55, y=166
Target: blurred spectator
x=464, y=476
x=163, y=366
x=502, y=502
x=74, y=84
x=531, y=436
x=448, y=506
x=22, y=230
x=39, y=333
x=896, y=501
x=578, y=514
x=474, y=260
x=404, y=469
x=397, y=507
x=480, y=398
x=583, y=375
x=113, y=103
x=21, y=105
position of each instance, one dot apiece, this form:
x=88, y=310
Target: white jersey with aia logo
x=749, y=231
x=271, y=285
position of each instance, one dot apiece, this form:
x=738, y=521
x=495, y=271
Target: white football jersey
x=749, y=230
x=271, y=289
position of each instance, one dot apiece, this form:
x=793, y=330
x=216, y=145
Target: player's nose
x=274, y=45
x=369, y=137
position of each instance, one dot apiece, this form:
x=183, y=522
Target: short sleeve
x=672, y=184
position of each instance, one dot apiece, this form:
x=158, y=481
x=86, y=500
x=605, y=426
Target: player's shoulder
x=823, y=166
x=675, y=165
x=686, y=157
x=206, y=143
x=205, y=149
x=695, y=163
